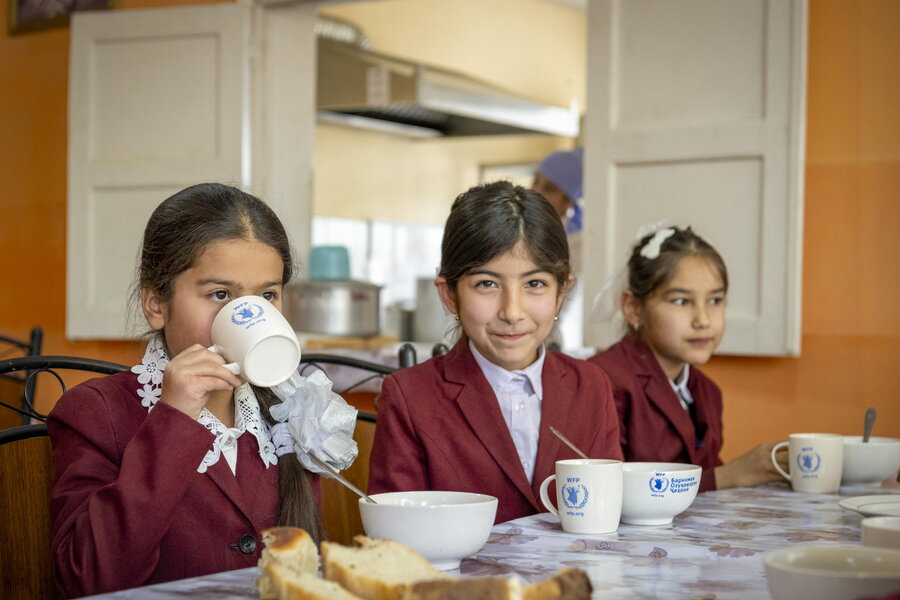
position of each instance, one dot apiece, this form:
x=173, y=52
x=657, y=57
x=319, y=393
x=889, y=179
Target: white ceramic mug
x=257, y=340
x=589, y=494
x=815, y=460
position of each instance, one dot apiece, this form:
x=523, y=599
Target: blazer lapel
x=479, y=406
x=555, y=408
x=661, y=394
x=221, y=475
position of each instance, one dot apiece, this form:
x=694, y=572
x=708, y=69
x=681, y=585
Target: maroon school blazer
x=653, y=424
x=440, y=428
x=129, y=507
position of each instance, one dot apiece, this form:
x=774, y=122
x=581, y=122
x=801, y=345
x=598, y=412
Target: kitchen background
x=850, y=328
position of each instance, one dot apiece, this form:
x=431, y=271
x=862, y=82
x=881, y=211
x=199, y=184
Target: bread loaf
x=567, y=584
x=474, y=588
x=377, y=569
x=289, y=547
x=292, y=585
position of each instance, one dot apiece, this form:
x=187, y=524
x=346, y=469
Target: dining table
x=712, y=551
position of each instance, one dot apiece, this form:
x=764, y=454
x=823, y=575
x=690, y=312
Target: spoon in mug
x=568, y=443
x=871, y=413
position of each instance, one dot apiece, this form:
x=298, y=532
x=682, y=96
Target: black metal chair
x=19, y=384
x=31, y=366
x=340, y=514
x=26, y=480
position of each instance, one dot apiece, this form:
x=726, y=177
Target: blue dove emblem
x=809, y=461
x=575, y=496
x=246, y=313
x=659, y=484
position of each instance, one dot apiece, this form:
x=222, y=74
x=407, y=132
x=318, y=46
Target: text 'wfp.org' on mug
x=589, y=494
x=257, y=340
x=815, y=461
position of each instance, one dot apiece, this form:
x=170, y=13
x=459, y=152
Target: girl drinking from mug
x=167, y=470
x=669, y=410
x=478, y=419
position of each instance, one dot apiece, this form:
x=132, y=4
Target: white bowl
x=444, y=527
x=881, y=532
x=832, y=572
x=653, y=493
x=870, y=462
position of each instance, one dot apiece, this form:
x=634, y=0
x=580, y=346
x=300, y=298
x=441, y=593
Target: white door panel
x=156, y=103
x=695, y=117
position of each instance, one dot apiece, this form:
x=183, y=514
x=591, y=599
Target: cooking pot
x=345, y=307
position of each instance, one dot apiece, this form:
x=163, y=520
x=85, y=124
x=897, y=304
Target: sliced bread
x=377, y=569
x=291, y=585
x=566, y=584
x=290, y=547
x=473, y=588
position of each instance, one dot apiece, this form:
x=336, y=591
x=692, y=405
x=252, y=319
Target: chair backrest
x=26, y=482
x=31, y=366
x=26, y=478
x=340, y=510
x=15, y=387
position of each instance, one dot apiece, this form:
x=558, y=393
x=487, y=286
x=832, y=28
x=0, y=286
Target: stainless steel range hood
x=361, y=88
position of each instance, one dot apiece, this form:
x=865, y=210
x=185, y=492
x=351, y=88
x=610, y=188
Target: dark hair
x=178, y=232
x=488, y=220
x=646, y=274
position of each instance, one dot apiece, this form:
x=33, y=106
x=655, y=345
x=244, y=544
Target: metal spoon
x=871, y=413
x=325, y=466
x=568, y=443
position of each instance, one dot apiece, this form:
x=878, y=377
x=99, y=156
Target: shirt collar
x=499, y=377
x=247, y=415
x=680, y=384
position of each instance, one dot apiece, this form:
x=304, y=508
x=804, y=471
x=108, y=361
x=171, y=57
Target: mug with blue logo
x=588, y=493
x=257, y=340
x=815, y=460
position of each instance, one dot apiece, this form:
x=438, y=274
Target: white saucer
x=874, y=506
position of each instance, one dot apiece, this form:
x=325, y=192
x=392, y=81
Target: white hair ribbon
x=652, y=247
x=313, y=419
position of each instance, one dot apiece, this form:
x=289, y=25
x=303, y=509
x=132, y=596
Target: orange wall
x=851, y=288
x=851, y=265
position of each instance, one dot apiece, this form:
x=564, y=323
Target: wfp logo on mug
x=809, y=461
x=575, y=495
x=246, y=314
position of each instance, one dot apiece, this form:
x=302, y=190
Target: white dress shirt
x=680, y=387
x=519, y=394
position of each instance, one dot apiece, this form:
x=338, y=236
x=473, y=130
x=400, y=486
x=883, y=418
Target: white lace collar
x=246, y=414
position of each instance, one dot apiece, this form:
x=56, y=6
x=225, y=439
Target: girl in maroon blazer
x=669, y=410
x=479, y=418
x=167, y=470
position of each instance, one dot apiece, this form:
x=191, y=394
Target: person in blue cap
x=559, y=180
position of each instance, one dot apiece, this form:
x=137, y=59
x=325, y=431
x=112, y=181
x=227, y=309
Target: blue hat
x=564, y=169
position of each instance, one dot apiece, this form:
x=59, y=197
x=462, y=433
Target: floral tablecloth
x=712, y=551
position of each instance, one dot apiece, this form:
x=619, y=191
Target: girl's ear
x=563, y=290
x=631, y=310
x=154, y=308
x=446, y=294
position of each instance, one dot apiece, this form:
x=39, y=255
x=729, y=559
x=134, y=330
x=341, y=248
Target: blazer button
x=247, y=544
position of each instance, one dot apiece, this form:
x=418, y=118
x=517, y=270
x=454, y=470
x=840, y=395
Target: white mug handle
x=545, y=498
x=233, y=367
x=775, y=462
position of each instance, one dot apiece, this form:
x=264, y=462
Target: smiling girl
x=479, y=418
x=670, y=411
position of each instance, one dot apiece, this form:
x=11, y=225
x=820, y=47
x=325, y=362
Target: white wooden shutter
x=695, y=115
x=157, y=102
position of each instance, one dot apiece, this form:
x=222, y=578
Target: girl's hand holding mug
x=191, y=376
